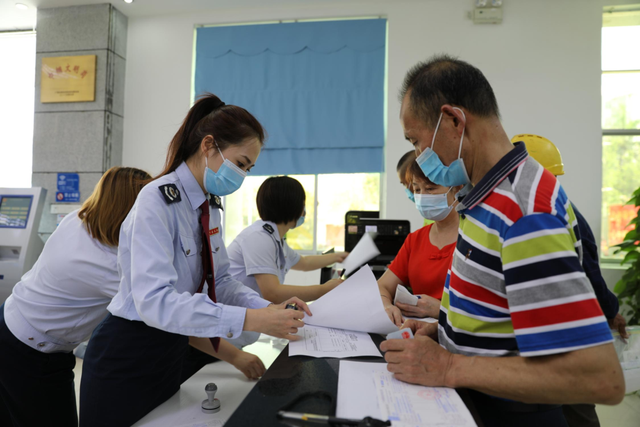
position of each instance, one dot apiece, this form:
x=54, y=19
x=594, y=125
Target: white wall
x=543, y=62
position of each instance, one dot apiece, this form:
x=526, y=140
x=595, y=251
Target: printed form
x=368, y=389
x=330, y=342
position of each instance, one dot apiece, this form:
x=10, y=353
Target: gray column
x=79, y=137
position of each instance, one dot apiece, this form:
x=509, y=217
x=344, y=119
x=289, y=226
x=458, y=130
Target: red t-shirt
x=422, y=265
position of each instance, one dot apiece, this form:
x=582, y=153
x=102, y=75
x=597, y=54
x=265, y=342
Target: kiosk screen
x=14, y=211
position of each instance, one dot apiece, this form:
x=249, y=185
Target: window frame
x=611, y=260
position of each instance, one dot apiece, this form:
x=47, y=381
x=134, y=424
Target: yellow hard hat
x=543, y=151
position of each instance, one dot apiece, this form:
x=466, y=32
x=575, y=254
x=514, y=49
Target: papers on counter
x=354, y=305
x=330, y=342
x=368, y=389
x=341, y=319
x=362, y=253
x=404, y=296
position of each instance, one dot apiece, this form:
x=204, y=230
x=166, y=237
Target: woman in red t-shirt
x=425, y=256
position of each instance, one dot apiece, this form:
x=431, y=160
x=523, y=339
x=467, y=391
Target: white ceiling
x=12, y=18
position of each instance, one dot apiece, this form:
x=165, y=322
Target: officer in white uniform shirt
x=132, y=362
x=259, y=249
x=59, y=302
x=260, y=256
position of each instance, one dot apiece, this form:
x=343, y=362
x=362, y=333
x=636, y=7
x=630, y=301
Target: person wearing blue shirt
x=59, y=302
x=170, y=248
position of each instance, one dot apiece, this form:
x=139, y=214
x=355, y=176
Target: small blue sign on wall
x=68, y=188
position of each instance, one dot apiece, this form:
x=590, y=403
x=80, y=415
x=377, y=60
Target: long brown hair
x=229, y=125
x=112, y=199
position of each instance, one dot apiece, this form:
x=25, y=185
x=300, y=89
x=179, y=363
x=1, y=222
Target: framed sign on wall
x=68, y=79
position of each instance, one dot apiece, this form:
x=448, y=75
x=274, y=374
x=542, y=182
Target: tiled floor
x=626, y=414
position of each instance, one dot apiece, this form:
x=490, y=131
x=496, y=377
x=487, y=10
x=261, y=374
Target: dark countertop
x=288, y=378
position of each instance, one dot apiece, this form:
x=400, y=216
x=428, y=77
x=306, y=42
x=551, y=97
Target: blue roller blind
x=317, y=88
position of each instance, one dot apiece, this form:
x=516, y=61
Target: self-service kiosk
x=20, y=245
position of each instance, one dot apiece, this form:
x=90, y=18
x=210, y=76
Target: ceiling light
x=22, y=6
x=128, y=1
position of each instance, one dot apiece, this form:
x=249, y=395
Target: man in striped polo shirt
x=519, y=322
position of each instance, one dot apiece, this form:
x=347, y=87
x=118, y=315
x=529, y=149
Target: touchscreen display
x=14, y=211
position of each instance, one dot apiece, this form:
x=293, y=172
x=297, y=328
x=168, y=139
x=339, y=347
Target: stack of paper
x=341, y=319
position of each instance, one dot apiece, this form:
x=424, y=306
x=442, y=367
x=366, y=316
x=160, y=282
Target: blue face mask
x=228, y=179
x=300, y=220
x=410, y=195
x=433, y=206
x=431, y=165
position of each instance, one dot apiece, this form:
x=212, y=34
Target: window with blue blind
x=316, y=87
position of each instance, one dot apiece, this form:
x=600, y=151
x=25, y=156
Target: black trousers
x=130, y=368
x=36, y=389
x=581, y=415
x=501, y=413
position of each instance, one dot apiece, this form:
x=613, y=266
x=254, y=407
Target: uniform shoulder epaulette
x=268, y=228
x=170, y=193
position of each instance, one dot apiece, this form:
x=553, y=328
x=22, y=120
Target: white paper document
x=423, y=319
x=363, y=252
x=354, y=305
x=368, y=389
x=404, y=296
x=330, y=342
